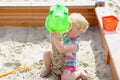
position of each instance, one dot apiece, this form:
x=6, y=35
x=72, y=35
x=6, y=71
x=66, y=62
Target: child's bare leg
x=68, y=75
x=80, y=74
x=84, y=75
x=47, y=63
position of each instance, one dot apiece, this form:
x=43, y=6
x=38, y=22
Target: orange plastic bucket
x=109, y=22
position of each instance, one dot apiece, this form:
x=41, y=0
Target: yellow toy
x=22, y=67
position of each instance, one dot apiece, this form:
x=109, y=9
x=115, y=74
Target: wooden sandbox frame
x=35, y=15
x=110, y=43
x=15, y=14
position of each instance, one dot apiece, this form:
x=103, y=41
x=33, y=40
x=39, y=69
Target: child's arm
x=60, y=46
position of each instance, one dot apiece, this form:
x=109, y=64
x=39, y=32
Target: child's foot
x=84, y=76
x=44, y=73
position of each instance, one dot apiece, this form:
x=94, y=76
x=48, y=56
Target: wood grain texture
x=36, y=15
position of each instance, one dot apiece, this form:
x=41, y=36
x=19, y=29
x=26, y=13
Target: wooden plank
x=82, y=10
x=33, y=17
x=25, y=14
x=21, y=21
x=40, y=12
x=113, y=71
x=24, y=9
x=112, y=38
x=23, y=17
x=43, y=9
x=114, y=46
x=12, y=22
x=44, y=13
x=105, y=46
x=23, y=24
x=81, y=7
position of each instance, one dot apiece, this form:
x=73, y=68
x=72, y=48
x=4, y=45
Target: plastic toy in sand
x=57, y=19
x=22, y=67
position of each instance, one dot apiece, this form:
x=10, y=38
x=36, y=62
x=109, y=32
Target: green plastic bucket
x=57, y=19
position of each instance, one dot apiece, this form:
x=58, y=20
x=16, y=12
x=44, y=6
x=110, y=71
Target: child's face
x=73, y=32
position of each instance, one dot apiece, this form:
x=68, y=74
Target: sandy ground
x=114, y=6
x=19, y=45
x=25, y=45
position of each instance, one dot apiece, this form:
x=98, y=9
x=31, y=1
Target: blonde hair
x=79, y=21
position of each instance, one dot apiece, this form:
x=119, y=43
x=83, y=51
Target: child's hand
x=55, y=35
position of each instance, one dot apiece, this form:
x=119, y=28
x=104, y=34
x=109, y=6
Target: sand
x=25, y=45
x=20, y=45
